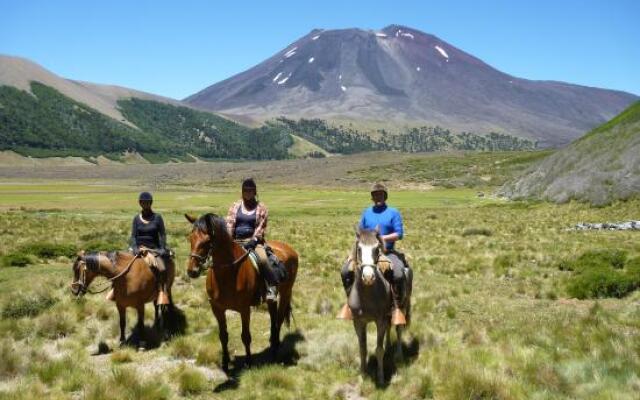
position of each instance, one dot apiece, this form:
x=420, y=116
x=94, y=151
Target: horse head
x=85, y=269
x=201, y=239
x=367, y=252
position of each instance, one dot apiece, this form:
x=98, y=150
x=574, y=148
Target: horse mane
x=213, y=222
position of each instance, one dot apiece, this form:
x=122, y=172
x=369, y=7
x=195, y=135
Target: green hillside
x=600, y=167
x=347, y=140
x=48, y=123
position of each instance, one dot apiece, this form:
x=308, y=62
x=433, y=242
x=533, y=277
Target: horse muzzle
x=193, y=272
x=78, y=289
x=368, y=275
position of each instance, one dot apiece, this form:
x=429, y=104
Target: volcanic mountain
x=400, y=75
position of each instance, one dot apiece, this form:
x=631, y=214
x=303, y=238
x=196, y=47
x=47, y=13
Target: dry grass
x=492, y=316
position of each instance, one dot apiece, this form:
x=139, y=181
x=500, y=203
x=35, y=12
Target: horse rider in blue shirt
x=389, y=223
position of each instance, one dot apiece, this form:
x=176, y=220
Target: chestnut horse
x=232, y=281
x=134, y=283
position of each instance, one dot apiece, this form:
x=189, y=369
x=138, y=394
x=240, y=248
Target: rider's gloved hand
x=251, y=244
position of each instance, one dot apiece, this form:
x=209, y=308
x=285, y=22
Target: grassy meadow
x=493, y=314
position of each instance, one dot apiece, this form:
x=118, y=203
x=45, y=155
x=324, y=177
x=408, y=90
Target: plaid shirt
x=261, y=219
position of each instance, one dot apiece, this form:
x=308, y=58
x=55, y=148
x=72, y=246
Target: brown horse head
x=367, y=252
x=207, y=231
x=85, y=269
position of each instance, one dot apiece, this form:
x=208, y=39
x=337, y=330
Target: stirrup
x=110, y=296
x=272, y=293
x=397, y=317
x=345, y=313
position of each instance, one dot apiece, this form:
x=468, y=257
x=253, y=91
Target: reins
x=203, y=260
x=85, y=288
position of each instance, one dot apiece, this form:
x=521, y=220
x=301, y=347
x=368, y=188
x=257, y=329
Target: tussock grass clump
x=184, y=347
x=121, y=356
x=11, y=360
x=208, y=355
x=191, y=381
x=125, y=384
x=469, y=381
x=477, y=231
x=15, y=260
x=51, y=370
x=28, y=305
x=601, y=274
x=55, y=325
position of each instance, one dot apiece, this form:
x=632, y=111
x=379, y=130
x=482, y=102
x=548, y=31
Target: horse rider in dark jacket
x=148, y=235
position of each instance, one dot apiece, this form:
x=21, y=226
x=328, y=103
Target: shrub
x=28, y=305
x=602, y=273
x=605, y=257
x=49, y=250
x=16, y=260
x=600, y=283
x=477, y=231
x=101, y=245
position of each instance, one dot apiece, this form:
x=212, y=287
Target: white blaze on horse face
x=368, y=275
x=366, y=253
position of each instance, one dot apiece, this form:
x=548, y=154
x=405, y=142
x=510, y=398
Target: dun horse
x=134, y=283
x=370, y=299
x=232, y=282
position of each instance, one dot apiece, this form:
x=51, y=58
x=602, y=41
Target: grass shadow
x=287, y=356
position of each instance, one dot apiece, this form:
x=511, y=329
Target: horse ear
x=356, y=229
x=377, y=229
x=209, y=222
x=190, y=218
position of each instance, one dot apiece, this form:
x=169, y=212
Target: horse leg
x=122, y=315
x=382, y=326
x=398, y=354
x=274, y=338
x=223, y=335
x=361, y=332
x=246, y=334
x=140, y=324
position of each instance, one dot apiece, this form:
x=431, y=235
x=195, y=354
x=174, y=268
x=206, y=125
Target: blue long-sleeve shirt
x=387, y=218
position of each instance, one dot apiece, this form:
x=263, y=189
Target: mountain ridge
x=400, y=75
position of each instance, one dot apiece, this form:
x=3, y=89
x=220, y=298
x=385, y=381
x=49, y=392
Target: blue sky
x=177, y=48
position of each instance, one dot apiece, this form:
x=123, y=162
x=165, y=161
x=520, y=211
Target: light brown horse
x=232, y=281
x=134, y=284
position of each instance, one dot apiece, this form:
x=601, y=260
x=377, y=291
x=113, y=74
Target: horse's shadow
x=173, y=323
x=410, y=353
x=287, y=355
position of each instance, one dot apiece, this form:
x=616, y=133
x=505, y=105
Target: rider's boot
x=347, y=282
x=397, y=316
x=272, y=292
x=163, y=298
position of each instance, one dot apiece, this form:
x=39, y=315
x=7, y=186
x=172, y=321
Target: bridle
x=91, y=263
x=202, y=260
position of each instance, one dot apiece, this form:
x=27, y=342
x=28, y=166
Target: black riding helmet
x=379, y=187
x=249, y=183
x=145, y=196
